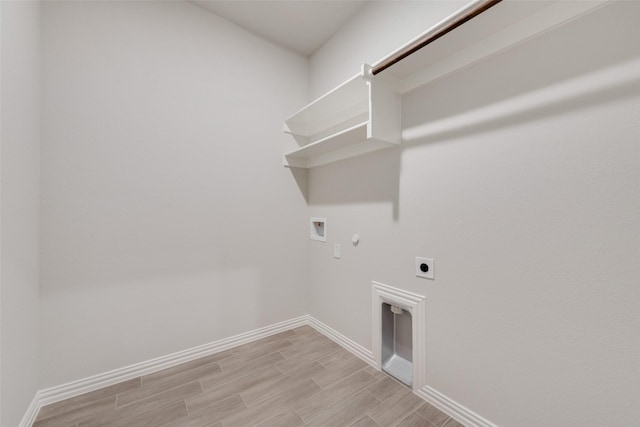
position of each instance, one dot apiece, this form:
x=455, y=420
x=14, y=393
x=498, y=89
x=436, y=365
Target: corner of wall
x=20, y=78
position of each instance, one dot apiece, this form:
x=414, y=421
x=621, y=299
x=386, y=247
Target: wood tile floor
x=295, y=378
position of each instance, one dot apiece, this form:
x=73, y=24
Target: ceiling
x=300, y=25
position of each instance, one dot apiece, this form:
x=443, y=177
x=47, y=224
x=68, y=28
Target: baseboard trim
x=75, y=388
x=351, y=346
x=453, y=408
x=430, y=395
x=32, y=412
x=95, y=382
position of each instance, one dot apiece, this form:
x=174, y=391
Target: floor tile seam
x=257, y=351
x=219, y=360
x=246, y=407
x=39, y=418
x=373, y=397
x=174, y=375
x=288, y=406
x=326, y=364
x=245, y=362
x=162, y=406
x=49, y=417
x=168, y=423
x=243, y=402
x=88, y=417
x=202, y=410
x=374, y=421
x=292, y=405
x=370, y=411
x=433, y=423
x=275, y=393
x=446, y=421
x=297, y=354
x=83, y=405
x=189, y=361
x=228, y=380
x=404, y=388
x=63, y=414
x=298, y=365
x=324, y=356
x=239, y=380
x=257, y=423
x=397, y=393
x=428, y=423
x=363, y=389
x=284, y=377
x=344, y=400
x=325, y=387
x=160, y=392
x=328, y=386
x=278, y=368
x=121, y=423
x=334, y=382
x=201, y=385
x=256, y=355
x=206, y=391
x=350, y=395
x=295, y=411
x=160, y=378
x=175, y=402
x=399, y=421
x=187, y=406
x=303, y=351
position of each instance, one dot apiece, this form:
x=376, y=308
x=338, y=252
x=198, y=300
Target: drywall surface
x=20, y=154
x=520, y=177
x=377, y=30
x=167, y=216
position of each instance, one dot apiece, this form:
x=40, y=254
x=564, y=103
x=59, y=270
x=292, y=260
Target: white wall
x=377, y=30
x=20, y=154
x=520, y=176
x=167, y=216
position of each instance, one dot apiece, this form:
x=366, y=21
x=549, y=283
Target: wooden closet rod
x=446, y=26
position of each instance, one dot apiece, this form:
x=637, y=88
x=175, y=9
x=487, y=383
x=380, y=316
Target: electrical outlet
x=424, y=267
x=336, y=251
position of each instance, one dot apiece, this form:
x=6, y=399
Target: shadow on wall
x=373, y=177
x=568, y=69
x=301, y=176
x=565, y=70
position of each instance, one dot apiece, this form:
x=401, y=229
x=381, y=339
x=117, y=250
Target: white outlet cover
x=426, y=274
x=336, y=250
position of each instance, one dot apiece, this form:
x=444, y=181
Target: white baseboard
x=76, y=388
x=340, y=339
x=433, y=397
x=453, y=408
x=32, y=412
x=95, y=382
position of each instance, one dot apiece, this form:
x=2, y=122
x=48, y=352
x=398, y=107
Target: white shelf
x=347, y=100
x=350, y=142
x=357, y=117
x=363, y=114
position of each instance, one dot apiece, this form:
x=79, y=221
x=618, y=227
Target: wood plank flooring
x=295, y=378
